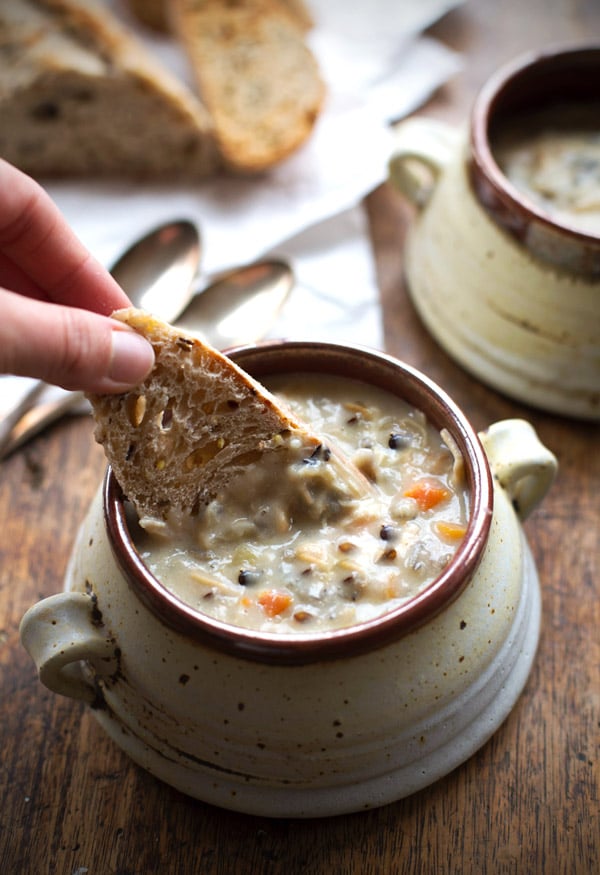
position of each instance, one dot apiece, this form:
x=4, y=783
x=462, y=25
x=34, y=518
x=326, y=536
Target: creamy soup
x=292, y=556
x=553, y=157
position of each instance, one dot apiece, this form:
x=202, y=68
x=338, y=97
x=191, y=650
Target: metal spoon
x=156, y=273
x=239, y=307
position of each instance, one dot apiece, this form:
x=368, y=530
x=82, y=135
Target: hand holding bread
x=195, y=423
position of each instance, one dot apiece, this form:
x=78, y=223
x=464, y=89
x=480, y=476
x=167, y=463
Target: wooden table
x=527, y=802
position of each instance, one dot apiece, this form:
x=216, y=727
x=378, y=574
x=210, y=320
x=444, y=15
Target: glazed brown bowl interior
x=378, y=370
x=553, y=78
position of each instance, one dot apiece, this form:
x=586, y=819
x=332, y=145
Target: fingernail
x=132, y=357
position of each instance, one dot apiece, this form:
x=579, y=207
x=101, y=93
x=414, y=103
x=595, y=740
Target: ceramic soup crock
x=314, y=724
x=511, y=292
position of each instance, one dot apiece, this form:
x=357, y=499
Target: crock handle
x=61, y=632
x=422, y=148
x=520, y=463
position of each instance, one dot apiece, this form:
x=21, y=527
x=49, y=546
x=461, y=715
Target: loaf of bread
x=79, y=96
x=198, y=421
x=255, y=74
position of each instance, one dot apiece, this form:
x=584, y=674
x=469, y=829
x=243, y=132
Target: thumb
x=69, y=347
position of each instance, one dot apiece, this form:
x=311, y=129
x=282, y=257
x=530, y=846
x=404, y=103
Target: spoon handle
x=37, y=418
x=13, y=415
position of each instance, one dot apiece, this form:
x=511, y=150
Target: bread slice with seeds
x=196, y=422
x=255, y=74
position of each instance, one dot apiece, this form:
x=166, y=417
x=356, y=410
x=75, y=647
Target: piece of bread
x=255, y=75
x=186, y=431
x=196, y=422
x=79, y=96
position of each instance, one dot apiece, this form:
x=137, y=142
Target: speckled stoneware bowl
x=314, y=724
x=511, y=292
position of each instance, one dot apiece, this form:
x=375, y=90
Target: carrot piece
x=450, y=531
x=273, y=602
x=427, y=492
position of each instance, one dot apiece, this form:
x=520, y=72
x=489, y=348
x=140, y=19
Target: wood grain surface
x=71, y=802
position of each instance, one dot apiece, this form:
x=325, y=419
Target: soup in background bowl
x=552, y=156
x=324, y=720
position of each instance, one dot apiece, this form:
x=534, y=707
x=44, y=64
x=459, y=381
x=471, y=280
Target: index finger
x=36, y=237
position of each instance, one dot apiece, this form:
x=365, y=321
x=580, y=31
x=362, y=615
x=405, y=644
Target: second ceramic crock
x=512, y=295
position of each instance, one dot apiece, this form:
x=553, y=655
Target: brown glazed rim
x=554, y=75
x=301, y=648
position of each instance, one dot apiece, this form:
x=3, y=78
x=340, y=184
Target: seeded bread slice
x=195, y=421
x=198, y=421
x=255, y=75
x=79, y=96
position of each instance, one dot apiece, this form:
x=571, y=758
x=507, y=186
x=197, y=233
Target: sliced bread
x=198, y=421
x=79, y=96
x=255, y=74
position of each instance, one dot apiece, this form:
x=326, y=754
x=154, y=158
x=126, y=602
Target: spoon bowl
x=157, y=272
x=241, y=305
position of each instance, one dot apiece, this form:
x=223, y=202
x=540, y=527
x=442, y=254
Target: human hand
x=55, y=300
